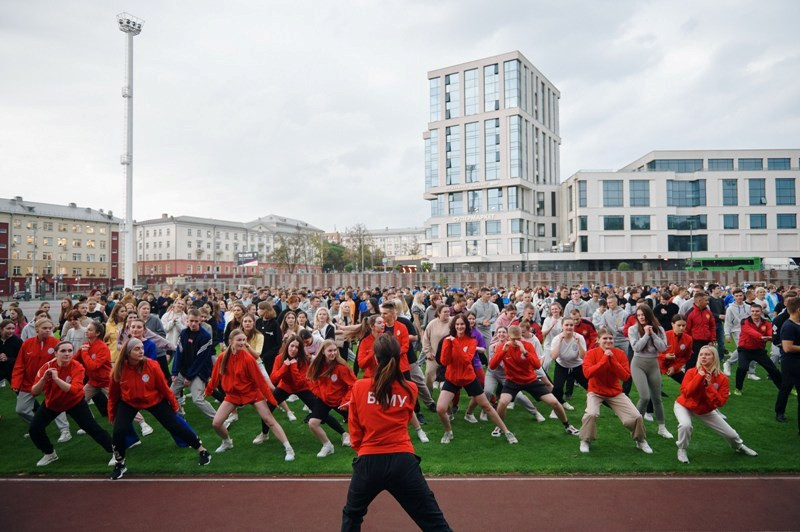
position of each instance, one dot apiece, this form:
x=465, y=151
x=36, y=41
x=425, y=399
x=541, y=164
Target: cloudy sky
x=315, y=109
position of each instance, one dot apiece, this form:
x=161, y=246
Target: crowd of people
x=127, y=353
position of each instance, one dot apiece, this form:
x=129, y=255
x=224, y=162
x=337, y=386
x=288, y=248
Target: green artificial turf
x=543, y=448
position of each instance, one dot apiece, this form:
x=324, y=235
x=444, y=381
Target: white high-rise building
x=491, y=165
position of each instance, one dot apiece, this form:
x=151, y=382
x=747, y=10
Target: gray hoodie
x=647, y=346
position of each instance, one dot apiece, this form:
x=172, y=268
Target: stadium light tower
x=132, y=26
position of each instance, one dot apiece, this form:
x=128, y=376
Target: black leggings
x=320, y=411
x=308, y=398
x=82, y=416
x=759, y=356
x=560, y=376
x=165, y=415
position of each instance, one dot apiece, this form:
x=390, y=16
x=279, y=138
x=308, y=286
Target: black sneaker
x=119, y=471
x=421, y=419
x=204, y=458
x=432, y=407
x=780, y=418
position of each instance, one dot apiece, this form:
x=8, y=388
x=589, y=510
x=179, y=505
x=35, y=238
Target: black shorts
x=320, y=410
x=536, y=388
x=473, y=389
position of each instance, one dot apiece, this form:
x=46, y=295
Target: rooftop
x=17, y=205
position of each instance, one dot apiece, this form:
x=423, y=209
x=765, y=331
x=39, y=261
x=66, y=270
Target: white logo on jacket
x=465, y=348
x=69, y=379
x=51, y=351
x=145, y=378
x=682, y=347
x=334, y=378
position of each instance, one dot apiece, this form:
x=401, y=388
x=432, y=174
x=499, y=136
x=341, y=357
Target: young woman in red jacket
x=61, y=380
x=372, y=328
x=754, y=338
x=604, y=367
x=138, y=383
x=704, y=390
x=380, y=411
x=679, y=350
x=244, y=384
x=458, y=350
x=331, y=379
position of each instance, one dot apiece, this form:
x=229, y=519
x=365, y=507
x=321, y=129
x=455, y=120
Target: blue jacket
x=202, y=364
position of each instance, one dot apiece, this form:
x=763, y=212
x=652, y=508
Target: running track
x=480, y=504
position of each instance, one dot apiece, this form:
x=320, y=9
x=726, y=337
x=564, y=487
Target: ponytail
x=387, y=352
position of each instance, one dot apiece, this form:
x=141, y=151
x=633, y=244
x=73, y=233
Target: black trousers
x=697, y=345
x=101, y=402
x=562, y=374
x=401, y=476
x=82, y=416
x=162, y=362
x=790, y=375
x=308, y=399
x=165, y=415
x=407, y=376
x=626, y=386
x=759, y=356
x=6, y=368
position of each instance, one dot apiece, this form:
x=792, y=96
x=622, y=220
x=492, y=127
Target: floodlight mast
x=132, y=26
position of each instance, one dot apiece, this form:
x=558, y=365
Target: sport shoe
x=483, y=416
x=726, y=369
x=451, y=416
x=112, y=462
x=289, y=455
x=753, y=377
x=664, y=433
x=447, y=437
x=584, y=448
x=346, y=439
x=648, y=417
x=226, y=444
x=682, y=456
x=432, y=407
x=261, y=438
x=568, y=406
x=780, y=418
x=204, y=458
x=306, y=409
x=511, y=438
x=80, y=432
x=423, y=438
x=511, y=405
x=644, y=447
x=292, y=398
x=65, y=436
x=290, y=415
x=470, y=418
x=147, y=430
x=327, y=450
x=569, y=429
x=737, y=392
x=539, y=417
x=47, y=459
x=421, y=419
x=496, y=433
x=744, y=449
x=119, y=471
x=553, y=415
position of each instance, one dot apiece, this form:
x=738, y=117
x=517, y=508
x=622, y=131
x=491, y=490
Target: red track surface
x=586, y=503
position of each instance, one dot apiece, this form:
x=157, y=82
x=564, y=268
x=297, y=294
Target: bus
x=724, y=263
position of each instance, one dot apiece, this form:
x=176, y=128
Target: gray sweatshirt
x=647, y=346
x=614, y=321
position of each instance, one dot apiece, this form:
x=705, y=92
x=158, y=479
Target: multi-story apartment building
x=400, y=244
x=194, y=247
x=491, y=165
x=669, y=206
x=76, y=245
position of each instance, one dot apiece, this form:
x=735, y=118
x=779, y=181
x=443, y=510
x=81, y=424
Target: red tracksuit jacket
x=96, y=358
x=701, y=325
x=334, y=389
x=680, y=347
x=140, y=389
x=243, y=381
x=289, y=377
x=377, y=431
x=750, y=337
x=700, y=397
x=604, y=373
x=366, y=356
x=518, y=370
x=32, y=355
x=55, y=398
x=457, y=358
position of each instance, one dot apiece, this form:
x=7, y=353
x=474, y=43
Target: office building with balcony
x=491, y=165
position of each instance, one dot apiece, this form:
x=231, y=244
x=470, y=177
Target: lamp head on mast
x=129, y=24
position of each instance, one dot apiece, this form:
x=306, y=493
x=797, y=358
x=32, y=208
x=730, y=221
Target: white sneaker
x=483, y=416
x=664, y=433
x=346, y=439
x=327, y=450
x=470, y=418
x=744, y=449
x=3, y=383
x=726, y=369
x=553, y=415
x=65, y=436
x=289, y=455
x=451, y=416
x=644, y=447
x=226, y=444
x=753, y=377
x=261, y=438
x=568, y=406
x=306, y=409
x=511, y=438
x=147, y=430
x=496, y=433
x=572, y=430
x=47, y=459
x=682, y=456
x=290, y=415
x=511, y=405
x=80, y=432
x=112, y=462
x=135, y=444
x=539, y=417
x=447, y=437
x=648, y=417
x=584, y=448
x=423, y=438
x=435, y=385
x=292, y=398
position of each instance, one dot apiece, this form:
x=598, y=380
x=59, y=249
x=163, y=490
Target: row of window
x=62, y=227
x=488, y=247
x=491, y=227
x=76, y=257
x=60, y=242
x=76, y=272
x=696, y=165
x=641, y=222
x=190, y=268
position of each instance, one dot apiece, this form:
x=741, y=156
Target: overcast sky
x=315, y=109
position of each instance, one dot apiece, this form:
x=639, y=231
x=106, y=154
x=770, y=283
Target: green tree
x=333, y=256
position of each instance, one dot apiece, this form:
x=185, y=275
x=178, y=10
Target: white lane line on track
x=429, y=479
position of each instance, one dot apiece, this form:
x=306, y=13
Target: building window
x=76, y=243
x=471, y=101
x=787, y=221
x=90, y=230
x=454, y=249
x=758, y=221
x=781, y=163
x=517, y=245
x=785, y=191
x=614, y=223
x=640, y=222
x=687, y=223
x=686, y=193
x=90, y=244
x=453, y=230
x=687, y=243
x=569, y=199
x=493, y=227
x=675, y=165
x=453, y=155
x=758, y=191
x=492, y=148
x=495, y=199
x=517, y=225
x=452, y=96
x=455, y=203
x=435, y=231
x=540, y=204
x=77, y=228
x=472, y=248
x=493, y=246
x=640, y=193
x=62, y=228
x=730, y=192
x=515, y=145
x=437, y=206
x=720, y=164
x=612, y=193
x=512, y=86
x=540, y=230
x=751, y=164
x=472, y=152
x=584, y=243
x=473, y=228
x=513, y=202
x=583, y=223
x=435, y=86
x=582, y=194
x=491, y=88
x=47, y=226
x=730, y=221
